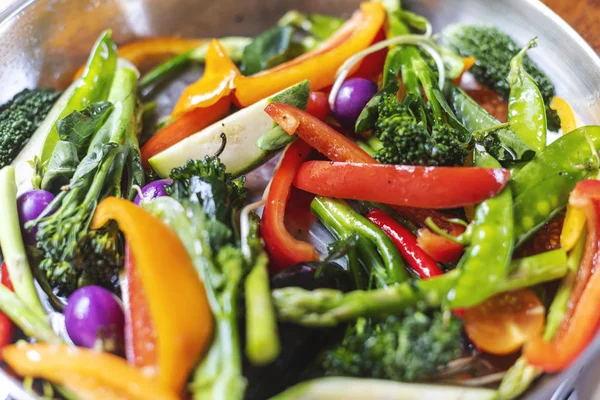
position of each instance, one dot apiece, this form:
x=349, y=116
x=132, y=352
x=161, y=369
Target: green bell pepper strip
x=521, y=375
x=541, y=188
x=93, y=86
x=526, y=108
x=487, y=258
x=350, y=219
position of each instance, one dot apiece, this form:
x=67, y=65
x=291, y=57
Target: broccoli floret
x=493, y=50
x=412, y=347
x=20, y=117
x=406, y=141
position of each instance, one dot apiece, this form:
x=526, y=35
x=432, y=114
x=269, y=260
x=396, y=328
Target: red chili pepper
x=423, y=265
x=6, y=325
x=284, y=250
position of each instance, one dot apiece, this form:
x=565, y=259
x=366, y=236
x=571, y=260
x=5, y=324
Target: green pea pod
x=501, y=143
x=541, y=189
x=526, y=108
x=93, y=86
x=487, y=259
x=352, y=220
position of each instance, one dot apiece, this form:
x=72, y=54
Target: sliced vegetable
x=216, y=82
x=503, y=323
x=284, y=250
x=97, y=374
x=573, y=226
x=438, y=247
x=317, y=134
x=353, y=96
x=31, y=205
x=320, y=65
x=154, y=245
x=94, y=319
x=141, y=347
x=568, y=122
x=246, y=131
x=581, y=321
x=438, y=187
x=420, y=262
x=183, y=127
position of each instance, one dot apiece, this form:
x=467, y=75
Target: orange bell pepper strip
x=582, y=319
x=320, y=67
x=284, y=250
x=96, y=375
x=140, y=50
x=468, y=63
x=169, y=291
x=317, y=134
x=216, y=83
x=189, y=123
x=140, y=334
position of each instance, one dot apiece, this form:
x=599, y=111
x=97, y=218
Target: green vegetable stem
x=327, y=307
x=526, y=109
x=94, y=85
x=487, y=258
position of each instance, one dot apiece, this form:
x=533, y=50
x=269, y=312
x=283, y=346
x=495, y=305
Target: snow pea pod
x=487, y=259
x=526, y=108
x=93, y=86
x=541, y=189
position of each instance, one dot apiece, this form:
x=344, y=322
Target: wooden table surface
x=583, y=15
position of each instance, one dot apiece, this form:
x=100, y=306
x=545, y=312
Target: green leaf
x=323, y=26
x=61, y=167
x=79, y=127
x=267, y=50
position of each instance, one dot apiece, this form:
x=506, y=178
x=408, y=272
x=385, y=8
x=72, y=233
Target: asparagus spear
x=328, y=307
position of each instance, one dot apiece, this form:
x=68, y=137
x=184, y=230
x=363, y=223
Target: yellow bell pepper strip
x=92, y=374
x=575, y=218
x=319, y=67
x=172, y=287
x=216, y=83
x=566, y=114
x=141, y=50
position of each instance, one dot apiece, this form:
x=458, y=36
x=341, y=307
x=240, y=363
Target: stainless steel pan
x=43, y=41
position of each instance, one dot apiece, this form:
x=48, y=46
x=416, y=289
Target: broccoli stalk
x=73, y=255
x=327, y=307
x=19, y=119
x=413, y=132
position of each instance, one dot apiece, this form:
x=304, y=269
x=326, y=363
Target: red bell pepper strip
x=372, y=65
x=421, y=263
x=317, y=134
x=6, y=325
x=183, y=127
x=140, y=335
x=582, y=319
x=319, y=66
x=216, y=83
x=438, y=247
x=284, y=250
x=423, y=187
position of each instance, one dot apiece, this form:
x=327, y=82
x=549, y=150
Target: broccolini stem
x=262, y=339
x=29, y=321
x=11, y=241
x=353, y=221
x=328, y=307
